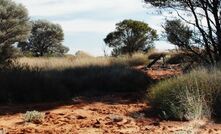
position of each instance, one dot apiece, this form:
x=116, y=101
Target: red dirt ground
x=158, y=73
x=110, y=114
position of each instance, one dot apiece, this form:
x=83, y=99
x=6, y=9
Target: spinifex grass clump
x=188, y=97
x=33, y=117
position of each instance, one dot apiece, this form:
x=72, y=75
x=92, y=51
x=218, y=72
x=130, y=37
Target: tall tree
x=14, y=27
x=46, y=39
x=206, y=22
x=131, y=36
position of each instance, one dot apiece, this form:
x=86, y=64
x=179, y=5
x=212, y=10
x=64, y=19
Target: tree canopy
x=206, y=22
x=131, y=36
x=46, y=39
x=178, y=33
x=14, y=27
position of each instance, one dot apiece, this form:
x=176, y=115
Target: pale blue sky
x=87, y=22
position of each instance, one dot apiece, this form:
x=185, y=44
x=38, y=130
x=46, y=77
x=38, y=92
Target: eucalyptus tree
x=131, y=36
x=45, y=40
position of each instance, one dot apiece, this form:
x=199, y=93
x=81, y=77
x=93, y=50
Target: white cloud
x=76, y=23
x=58, y=7
x=83, y=25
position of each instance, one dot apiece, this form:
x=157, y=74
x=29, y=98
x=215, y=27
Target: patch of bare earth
x=158, y=72
x=109, y=114
x=102, y=116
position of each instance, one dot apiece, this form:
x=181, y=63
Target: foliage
x=14, y=27
x=34, y=117
x=205, y=22
x=54, y=79
x=45, y=40
x=131, y=36
x=178, y=33
x=191, y=96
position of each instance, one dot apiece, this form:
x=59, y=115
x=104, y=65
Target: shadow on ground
x=25, y=85
x=113, y=98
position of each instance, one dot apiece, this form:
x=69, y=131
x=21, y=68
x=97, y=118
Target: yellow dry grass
x=75, y=61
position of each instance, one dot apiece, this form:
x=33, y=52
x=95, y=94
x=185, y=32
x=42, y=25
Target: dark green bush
x=191, y=96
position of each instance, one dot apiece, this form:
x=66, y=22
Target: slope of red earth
x=109, y=114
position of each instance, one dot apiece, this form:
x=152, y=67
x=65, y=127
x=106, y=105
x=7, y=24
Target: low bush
x=192, y=96
x=33, y=117
x=22, y=83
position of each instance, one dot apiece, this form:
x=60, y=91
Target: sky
x=87, y=22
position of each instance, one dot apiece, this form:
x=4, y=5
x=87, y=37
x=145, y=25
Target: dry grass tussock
x=50, y=79
x=62, y=62
x=82, y=61
x=192, y=96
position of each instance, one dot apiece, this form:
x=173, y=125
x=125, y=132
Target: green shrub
x=34, y=117
x=188, y=97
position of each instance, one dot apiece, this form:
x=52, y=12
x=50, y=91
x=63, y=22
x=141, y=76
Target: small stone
x=80, y=117
x=61, y=114
x=210, y=131
x=77, y=100
x=96, y=124
x=156, y=123
x=116, y=118
x=164, y=128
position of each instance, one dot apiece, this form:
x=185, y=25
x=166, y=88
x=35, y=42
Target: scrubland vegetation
x=82, y=59
x=48, y=79
x=195, y=95
x=44, y=72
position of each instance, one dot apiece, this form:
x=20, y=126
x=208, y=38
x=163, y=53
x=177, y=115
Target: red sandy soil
x=110, y=114
x=158, y=72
